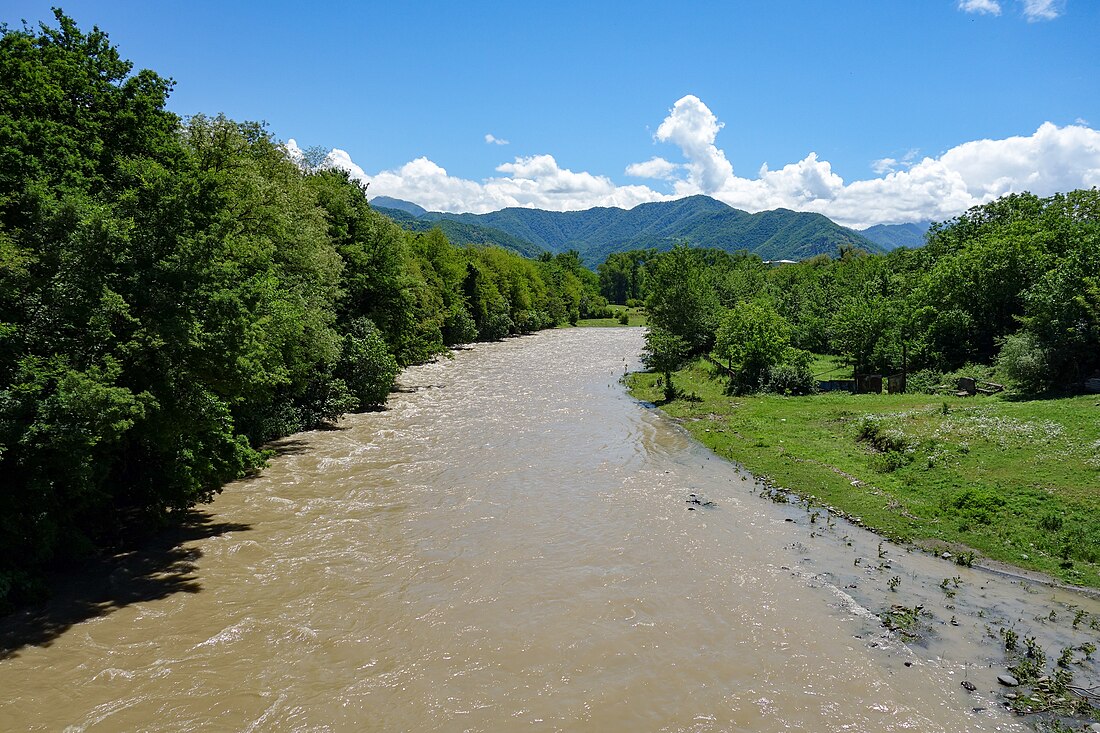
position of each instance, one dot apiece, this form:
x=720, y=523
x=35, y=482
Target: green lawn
x=1017, y=481
x=825, y=366
x=636, y=317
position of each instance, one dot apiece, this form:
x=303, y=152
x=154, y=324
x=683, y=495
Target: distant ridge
x=388, y=202
x=892, y=236
x=456, y=231
x=697, y=220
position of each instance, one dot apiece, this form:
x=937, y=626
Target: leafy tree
x=622, y=275
x=753, y=338
x=682, y=300
x=664, y=352
x=366, y=365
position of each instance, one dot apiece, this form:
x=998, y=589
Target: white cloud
x=889, y=165
x=992, y=7
x=294, y=152
x=907, y=189
x=693, y=127
x=535, y=182
x=1036, y=10
x=492, y=139
x=654, y=168
x=884, y=165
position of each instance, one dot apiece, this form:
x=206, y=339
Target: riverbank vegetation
x=1012, y=285
x=1007, y=294
x=1015, y=480
x=175, y=293
x=615, y=315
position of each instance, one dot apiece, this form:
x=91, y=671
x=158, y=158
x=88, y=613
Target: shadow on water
x=158, y=569
x=287, y=447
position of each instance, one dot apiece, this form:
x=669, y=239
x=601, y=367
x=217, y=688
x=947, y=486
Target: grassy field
x=1016, y=481
x=635, y=316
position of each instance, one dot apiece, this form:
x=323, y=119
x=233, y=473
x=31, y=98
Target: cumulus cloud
x=654, y=168
x=889, y=165
x=693, y=127
x=534, y=182
x=906, y=189
x=1037, y=10
x=492, y=139
x=294, y=152
x=991, y=7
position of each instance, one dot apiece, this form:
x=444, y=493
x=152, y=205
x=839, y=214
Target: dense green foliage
x=1014, y=283
x=622, y=275
x=174, y=294
x=700, y=220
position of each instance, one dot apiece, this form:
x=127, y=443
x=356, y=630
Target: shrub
x=1025, y=363
x=792, y=376
x=366, y=366
x=873, y=431
x=459, y=327
x=924, y=381
x=497, y=326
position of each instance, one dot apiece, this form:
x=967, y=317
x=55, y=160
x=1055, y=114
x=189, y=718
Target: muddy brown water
x=508, y=547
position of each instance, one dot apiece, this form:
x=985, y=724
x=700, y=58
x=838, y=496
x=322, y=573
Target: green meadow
x=1016, y=481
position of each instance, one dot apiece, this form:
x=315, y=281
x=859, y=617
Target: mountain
x=458, y=232
x=892, y=236
x=596, y=233
x=387, y=202
x=698, y=220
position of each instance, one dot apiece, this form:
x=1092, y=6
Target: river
x=506, y=547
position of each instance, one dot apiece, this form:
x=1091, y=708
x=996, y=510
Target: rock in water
x=968, y=686
x=1008, y=680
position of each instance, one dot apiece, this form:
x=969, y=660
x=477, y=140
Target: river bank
x=999, y=619
x=1015, y=482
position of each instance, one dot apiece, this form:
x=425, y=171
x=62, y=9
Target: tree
x=664, y=352
x=753, y=338
x=681, y=299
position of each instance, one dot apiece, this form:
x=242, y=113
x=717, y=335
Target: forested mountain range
x=457, y=232
x=892, y=236
x=698, y=220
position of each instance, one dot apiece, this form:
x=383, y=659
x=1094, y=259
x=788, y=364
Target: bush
x=527, y=321
x=924, y=381
x=634, y=303
x=1024, y=363
x=792, y=376
x=497, y=326
x=459, y=327
x=624, y=318
x=873, y=431
x=366, y=365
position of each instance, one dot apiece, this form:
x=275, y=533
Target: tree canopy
x=1015, y=283
x=175, y=293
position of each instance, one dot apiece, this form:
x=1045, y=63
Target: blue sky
x=868, y=111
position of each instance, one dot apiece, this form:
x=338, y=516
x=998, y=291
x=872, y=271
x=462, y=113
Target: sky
x=868, y=111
